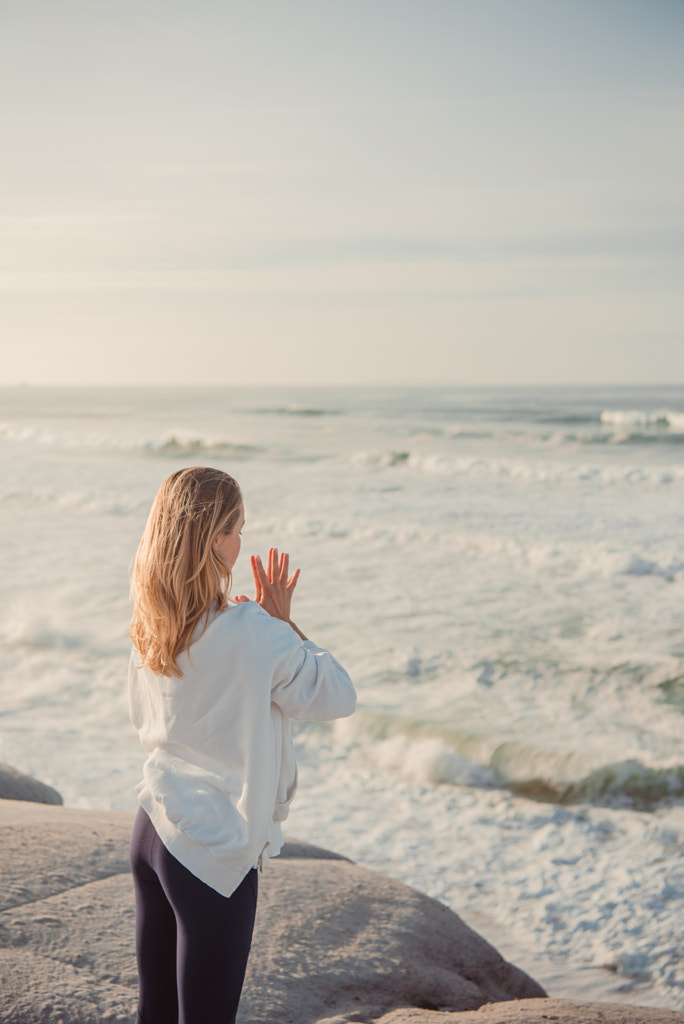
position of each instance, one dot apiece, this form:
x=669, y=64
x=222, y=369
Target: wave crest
x=532, y=470
x=660, y=419
x=181, y=445
x=437, y=754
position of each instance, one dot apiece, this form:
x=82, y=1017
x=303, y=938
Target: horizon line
x=395, y=385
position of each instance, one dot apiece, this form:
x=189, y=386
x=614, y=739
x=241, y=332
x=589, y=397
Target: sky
x=342, y=192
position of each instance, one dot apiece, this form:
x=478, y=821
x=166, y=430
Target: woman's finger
x=292, y=582
x=252, y=563
x=272, y=565
x=284, y=568
x=258, y=574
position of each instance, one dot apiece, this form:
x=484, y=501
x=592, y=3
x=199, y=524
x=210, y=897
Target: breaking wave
x=533, y=470
x=176, y=444
x=181, y=445
x=662, y=419
x=434, y=753
x=297, y=410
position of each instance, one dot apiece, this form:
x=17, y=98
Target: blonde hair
x=178, y=578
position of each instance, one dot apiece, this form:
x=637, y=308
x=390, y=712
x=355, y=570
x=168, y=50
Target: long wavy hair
x=178, y=578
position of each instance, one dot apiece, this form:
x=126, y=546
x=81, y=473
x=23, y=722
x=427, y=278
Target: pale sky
x=347, y=192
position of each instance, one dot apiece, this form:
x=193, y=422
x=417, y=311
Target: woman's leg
x=155, y=932
x=214, y=939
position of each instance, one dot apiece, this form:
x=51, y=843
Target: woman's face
x=227, y=545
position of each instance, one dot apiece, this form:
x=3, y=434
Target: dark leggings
x=192, y=943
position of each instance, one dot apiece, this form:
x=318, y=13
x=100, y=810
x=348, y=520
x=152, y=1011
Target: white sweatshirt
x=221, y=769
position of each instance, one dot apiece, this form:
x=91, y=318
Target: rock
x=15, y=785
x=537, y=1011
x=333, y=942
x=293, y=848
x=66, y=916
x=336, y=939
x=331, y=938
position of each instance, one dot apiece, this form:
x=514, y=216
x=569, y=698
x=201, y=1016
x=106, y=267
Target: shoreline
x=564, y=981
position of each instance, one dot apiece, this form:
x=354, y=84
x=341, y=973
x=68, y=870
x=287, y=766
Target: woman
x=213, y=685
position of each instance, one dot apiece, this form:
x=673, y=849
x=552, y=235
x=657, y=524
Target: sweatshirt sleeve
x=313, y=686
x=307, y=683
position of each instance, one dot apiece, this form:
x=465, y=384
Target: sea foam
x=499, y=570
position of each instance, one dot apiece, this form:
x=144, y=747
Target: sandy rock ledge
x=333, y=942
x=536, y=1011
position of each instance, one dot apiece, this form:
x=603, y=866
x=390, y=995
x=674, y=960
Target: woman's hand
x=273, y=588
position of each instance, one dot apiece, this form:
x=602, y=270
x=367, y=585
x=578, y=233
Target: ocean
x=501, y=572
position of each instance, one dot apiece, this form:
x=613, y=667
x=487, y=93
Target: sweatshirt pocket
x=196, y=814
x=287, y=771
x=282, y=807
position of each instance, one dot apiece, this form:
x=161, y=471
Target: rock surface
x=15, y=785
x=535, y=1011
x=334, y=937
x=330, y=937
x=333, y=942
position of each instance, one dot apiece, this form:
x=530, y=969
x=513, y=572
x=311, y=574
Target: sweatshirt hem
x=199, y=861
